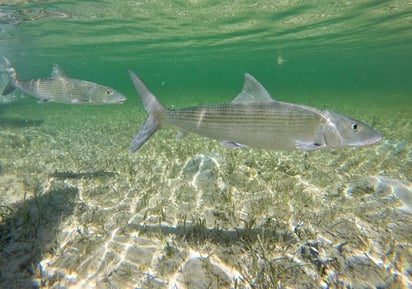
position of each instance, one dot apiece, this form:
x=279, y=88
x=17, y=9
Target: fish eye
x=355, y=126
x=109, y=92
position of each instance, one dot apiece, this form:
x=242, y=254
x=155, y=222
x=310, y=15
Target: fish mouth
x=373, y=140
x=120, y=100
x=366, y=142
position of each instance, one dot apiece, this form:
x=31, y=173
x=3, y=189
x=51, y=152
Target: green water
x=352, y=57
x=199, y=45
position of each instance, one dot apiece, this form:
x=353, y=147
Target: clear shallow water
x=94, y=215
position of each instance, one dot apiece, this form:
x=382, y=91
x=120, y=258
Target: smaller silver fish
x=60, y=88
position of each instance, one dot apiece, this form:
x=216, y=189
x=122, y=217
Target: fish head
x=108, y=95
x=342, y=131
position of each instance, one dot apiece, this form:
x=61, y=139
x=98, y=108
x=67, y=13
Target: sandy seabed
x=78, y=211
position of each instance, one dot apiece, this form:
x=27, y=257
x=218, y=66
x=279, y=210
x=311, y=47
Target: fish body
x=255, y=119
x=59, y=88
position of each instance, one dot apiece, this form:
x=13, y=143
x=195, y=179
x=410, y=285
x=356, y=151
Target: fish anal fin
x=252, y=92
x=232, y=145
x=308, y=145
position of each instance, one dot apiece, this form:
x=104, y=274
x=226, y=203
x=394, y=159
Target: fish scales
x=264, y=116
x=255, y=119
x=58, y=89
x=249, y=125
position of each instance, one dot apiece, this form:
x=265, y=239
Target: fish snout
x=119, y=98
x=377, y=138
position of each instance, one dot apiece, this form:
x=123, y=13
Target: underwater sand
x=78, y=211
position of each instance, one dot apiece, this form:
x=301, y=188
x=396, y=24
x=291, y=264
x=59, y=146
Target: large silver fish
x=254, y=119
x=60, y=88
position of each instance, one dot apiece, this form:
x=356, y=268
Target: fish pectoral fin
x=43, y=100
x=308, y=145
x=232, y=145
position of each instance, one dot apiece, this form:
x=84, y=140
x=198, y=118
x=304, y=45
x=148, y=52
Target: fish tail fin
x=11, y=72
x=153, y=108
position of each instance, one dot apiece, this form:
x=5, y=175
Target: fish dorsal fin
x=252, y=92
x=57, y=72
